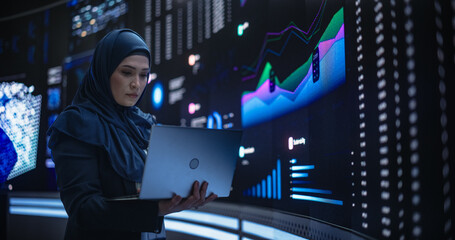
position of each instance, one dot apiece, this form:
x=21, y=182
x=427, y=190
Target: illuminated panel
x=206, y=218
x=297, y=189
x=267, y=232
x=42, y=207
x=157, y=95
x=90, y=19
x=302, y=167
x=36, y=202
x=35, y=211
x=269, y=187
x=275, y=97
x=316, y=199
x=310, y=190
x=197, y=230
x=19, y=127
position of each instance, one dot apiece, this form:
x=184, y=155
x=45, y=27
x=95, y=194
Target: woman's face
x=129, y=79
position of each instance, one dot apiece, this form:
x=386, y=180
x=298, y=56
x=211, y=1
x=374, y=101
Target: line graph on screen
x=321, y=72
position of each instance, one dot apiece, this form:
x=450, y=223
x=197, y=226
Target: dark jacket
x=86, y=180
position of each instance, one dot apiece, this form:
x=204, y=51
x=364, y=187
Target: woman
x=99, y=146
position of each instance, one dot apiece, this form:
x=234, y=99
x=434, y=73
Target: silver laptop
x=178, y=156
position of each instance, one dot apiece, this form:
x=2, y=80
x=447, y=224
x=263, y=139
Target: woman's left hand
x=195, y=200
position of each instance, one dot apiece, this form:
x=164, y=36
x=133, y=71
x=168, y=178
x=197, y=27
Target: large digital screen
x=19, y=128
x=344, y=121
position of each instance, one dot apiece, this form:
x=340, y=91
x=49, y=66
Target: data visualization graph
x=299, y=185
x=19, y=127
x=269, y=187
x=339, y=118
x=322, y=72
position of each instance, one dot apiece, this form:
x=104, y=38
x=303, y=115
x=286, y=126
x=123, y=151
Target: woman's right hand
x=195, y=200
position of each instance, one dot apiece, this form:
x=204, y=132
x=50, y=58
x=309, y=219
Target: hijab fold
x=94, y=117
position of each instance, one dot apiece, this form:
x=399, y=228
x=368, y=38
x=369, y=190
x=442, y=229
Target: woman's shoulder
x=78, y=123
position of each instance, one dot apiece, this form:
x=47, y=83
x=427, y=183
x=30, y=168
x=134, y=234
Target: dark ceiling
x=13, y=7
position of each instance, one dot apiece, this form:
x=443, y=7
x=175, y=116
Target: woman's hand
x=195, y=200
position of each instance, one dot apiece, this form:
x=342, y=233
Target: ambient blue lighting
x=219, y=121
x=299, y=175
x=293, y=161
x=44, y=207
x=206, y=218
x=274, y=183
x=215, y=117
x=264, y=189
x=198, y=230
x=300, y=182
x=310, y=190
x=37, y=211
x=267, y=232
x=157, y=95
x=269, y=187
x=302, y=167
x=316, y=199
x=278, y=170
x=36, y=202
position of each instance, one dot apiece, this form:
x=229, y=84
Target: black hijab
x=94, y=117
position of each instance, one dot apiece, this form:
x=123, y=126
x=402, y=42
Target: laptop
x=178, y=156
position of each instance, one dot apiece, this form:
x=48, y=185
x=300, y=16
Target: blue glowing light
x=19, y=124
x=36, y=202
x=71, y=3
x=53, y=98
x=8, y=156
x=269, y=187
x=42, y=207
x=51, y=119
x=264, y=185
x=278, y=170
x=36, y=211
x=198, y=230
x=310, y=190
x=316, y=199
x=157, y=95
x=299, y=175
x=274, y=183
x=242, y=151
x=303, y=167
x=267, y=232
x=214, y=118
x=206, y=218
x=300, y=182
